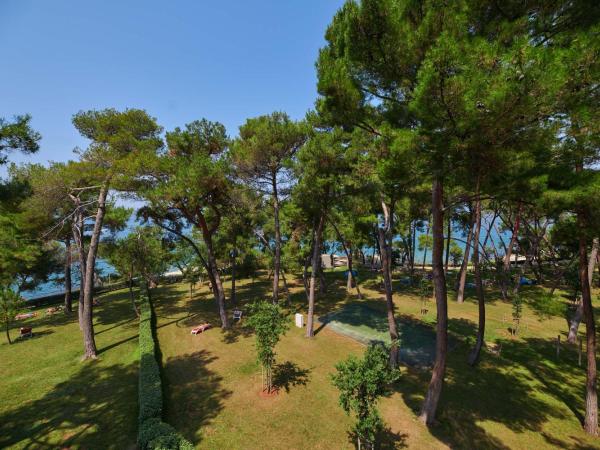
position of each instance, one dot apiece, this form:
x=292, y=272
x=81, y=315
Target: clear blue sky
x=179, y=60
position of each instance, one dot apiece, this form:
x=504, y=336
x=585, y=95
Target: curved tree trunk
x=389, y=302
x=578, y=316
x=89, y=342
x=68, y=284
x=591, y=398
x=461, y=279
x=316, y=262
x=476, y=352
x=434, y=390
x=277, y=259
x=7, y=332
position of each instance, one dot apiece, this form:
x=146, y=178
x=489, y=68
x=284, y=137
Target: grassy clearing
x=525, y=398
x=49, y=399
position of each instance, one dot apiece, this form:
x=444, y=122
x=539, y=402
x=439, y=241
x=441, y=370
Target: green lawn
x=49, y=399
x=525, y=398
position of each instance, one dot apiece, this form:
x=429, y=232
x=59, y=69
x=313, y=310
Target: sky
x=179, y=60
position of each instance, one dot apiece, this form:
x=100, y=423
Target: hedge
x=153, y=433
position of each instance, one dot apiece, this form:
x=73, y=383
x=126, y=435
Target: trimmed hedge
x=153, y=433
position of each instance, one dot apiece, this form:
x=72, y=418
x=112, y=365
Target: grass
x=49, y=399
x=525, y=398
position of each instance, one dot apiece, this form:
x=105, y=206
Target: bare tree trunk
x=591, y=399
x=425, y=251
x=277, y=260
x=233, y=262
x=387, y=282
x=287, y=290
x=89, y=342
x=217, y=286
x=412, y=254
x=513, y=240
x=68, y=284
x=462, y=275
x=348, y=251
x=448, y=239
x=132, y=298
x=434, y=390
x=476, y=352
x=77, y=228
x=578, y=316
x=7, y=331
x=316, y=262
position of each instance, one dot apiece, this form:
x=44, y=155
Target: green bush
x=153, y=433
x=158, y=435
x=150, y=390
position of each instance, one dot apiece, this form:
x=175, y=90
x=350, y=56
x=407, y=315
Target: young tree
x=262, y=156
x=10, y=304
x=269, y=324
x=361, y=382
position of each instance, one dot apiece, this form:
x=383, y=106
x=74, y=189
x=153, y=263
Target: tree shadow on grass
x=92, y=405
x=194, y=395
x=288, y=374
x=522, y=390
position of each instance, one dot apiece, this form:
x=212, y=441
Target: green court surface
x=369, y=325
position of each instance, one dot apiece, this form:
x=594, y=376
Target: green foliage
x=361, y=382
x=547, y=305
x=153, y=433
x=17, y=135
x=269, y=324
x=10, y=304
x=456, y=253
x=141, y=252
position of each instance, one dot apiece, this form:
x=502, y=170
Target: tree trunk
x=462, y=275
x=217, y=286
x=7, y=332
x=287, y=290
x=578, y=316
x=233, y=297
x=277, y=260
x=434, y=390
x=591, y=398
x=89, y=342
x=132, y=298
x=77, y=228
x=316, y=262
x=68, y=284
x=448, y=239
x=426, y=247
x=476, y=352
x=387, y=282
x=513, y=240
x=412, y=254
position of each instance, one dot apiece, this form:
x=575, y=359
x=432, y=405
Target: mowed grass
x=524, y=398
x=50, y=399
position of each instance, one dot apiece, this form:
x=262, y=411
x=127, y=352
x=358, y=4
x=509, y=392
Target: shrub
x=361, y=382
x=153, y=433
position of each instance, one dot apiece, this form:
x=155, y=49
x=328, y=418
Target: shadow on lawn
x=194, y=395
x=289, y=374
x=501, y=390
x=94, y=404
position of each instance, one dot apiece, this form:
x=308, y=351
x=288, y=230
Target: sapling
x=269, y=324
x=361, y=382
